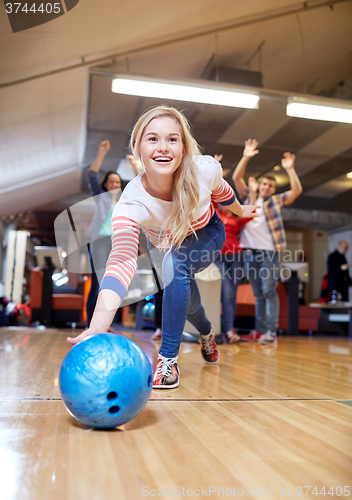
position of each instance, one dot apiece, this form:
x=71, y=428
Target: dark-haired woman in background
x=106, y=196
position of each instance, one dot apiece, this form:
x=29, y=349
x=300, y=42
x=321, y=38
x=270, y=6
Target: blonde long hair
x=185, y=189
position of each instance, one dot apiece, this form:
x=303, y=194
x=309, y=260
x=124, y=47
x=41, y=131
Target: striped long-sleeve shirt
x=138, y=209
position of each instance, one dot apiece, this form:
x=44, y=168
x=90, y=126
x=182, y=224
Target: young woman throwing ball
x=172, y=202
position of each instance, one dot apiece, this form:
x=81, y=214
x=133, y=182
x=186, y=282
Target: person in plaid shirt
x=263, y=238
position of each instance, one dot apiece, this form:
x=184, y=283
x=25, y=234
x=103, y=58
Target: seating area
x=63, y=308
x=308, y=317
x=67, y=307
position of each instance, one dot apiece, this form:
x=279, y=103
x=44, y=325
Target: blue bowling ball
x=105, y=380
x=148, y=310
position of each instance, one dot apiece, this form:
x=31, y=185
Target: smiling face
x=113, y=182
x=267, y=187
x=161, y=147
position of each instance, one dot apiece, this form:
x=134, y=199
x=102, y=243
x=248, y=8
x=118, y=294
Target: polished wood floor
x=265, y=422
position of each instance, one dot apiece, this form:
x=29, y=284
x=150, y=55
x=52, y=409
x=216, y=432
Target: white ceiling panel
x=42, y=126
x=331, y=188
x=259, y=123
x=39, y=193
x=110, y=111
x=327, y=146
x=43, y=122
x=93, y=28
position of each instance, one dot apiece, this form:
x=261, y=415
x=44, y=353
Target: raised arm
x=288, y=162
x=135, y=164
x=238, y=175
x=104, y=147
x=253, y=190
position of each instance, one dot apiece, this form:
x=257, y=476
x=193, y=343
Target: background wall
x=315, y=247
x=319, y=248
x=2, y=234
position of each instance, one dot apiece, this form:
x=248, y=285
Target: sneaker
x=209, y=348
x=232, y=337
x=253, y=336
x=267, y=338
x=157, y=334
x=167, y=374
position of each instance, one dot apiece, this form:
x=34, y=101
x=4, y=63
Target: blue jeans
x=262, y=268
x=231, y=269
x=181, y=298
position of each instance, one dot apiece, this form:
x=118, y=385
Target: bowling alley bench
x=53, y=308
x=308, y=320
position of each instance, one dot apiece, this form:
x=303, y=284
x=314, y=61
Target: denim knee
x=270, y=290
x=181, y=270
x=256, y=284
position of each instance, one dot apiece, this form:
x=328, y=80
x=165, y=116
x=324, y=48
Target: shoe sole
x=212, y=362
x=263, y=342
x=173, y=386
x=248, y=340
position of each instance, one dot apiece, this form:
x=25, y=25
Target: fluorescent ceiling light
x=349, y=175
x=307, y=108
x=202, y=93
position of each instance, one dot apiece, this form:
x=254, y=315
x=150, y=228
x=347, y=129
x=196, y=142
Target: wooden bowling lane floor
x=265, y=422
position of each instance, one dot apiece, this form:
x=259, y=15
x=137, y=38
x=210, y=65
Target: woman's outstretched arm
x=107, y=304
x=243, y=210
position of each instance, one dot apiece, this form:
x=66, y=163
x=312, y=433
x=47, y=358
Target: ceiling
x=57, y=105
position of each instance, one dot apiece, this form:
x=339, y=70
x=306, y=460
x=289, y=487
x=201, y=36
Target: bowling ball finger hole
x=149, y=381
x=114, y=409
x=111, y=395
